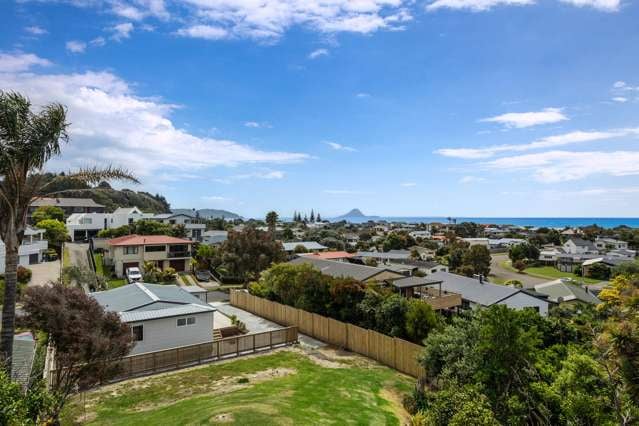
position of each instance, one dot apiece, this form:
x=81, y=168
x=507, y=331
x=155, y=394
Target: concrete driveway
x=43, y=273
x=78, y=255
x=256, y=324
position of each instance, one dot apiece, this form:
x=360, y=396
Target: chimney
x=480, y=277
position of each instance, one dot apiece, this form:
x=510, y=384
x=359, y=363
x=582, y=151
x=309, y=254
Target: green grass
x=307, y=394
x=549, y=272
x=99, y=266
x=116, y=282
x=66, y=262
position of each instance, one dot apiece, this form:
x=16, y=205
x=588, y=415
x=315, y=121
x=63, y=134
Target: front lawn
x=286, y=387
x=549, y=272
x=99, y=270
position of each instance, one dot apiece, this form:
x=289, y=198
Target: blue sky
x=403, y=108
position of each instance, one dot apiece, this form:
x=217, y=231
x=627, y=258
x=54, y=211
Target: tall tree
x=312, y=215
x=27, y=141
x=86, y=338
x=271, y=221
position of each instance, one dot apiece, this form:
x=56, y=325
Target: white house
x=420, y=234
x=160, y=316
x=82, y=226
x=605, y=244
x=30, y=251
x=194, y=228
x=579, y=246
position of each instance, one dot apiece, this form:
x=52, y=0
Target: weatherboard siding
x=163, y=333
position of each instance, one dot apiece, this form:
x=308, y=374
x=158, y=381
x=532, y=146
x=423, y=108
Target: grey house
x=476, y=293
x=160, y=316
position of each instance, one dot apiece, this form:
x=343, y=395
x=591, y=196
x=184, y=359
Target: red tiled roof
x=141, y=240
x=327, y=255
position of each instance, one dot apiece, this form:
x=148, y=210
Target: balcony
x=440, y=300
x=178, y=254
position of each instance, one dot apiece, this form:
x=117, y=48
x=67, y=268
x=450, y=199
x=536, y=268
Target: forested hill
x=111, y=198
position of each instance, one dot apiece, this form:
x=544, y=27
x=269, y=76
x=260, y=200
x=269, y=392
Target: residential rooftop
x=141, y=240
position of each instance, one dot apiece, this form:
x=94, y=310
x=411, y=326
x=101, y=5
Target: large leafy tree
x=245, y=254
x=87, y=339
x=28, y=140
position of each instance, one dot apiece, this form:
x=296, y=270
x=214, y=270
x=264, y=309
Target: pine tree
x=319, y=218
x=305, y=218
x=312, y=216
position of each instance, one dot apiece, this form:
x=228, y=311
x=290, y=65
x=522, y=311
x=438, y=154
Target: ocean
x=549, y=222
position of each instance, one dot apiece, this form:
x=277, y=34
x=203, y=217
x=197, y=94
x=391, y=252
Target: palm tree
x=27, y=141
x=271, y=221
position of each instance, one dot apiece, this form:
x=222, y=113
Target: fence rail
x=188, y=356
x=391, y=351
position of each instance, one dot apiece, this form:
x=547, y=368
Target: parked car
x=133, y=275
x=203, y=275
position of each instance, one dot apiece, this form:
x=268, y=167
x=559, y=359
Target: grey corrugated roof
x=471, y=289
x=144, y=297
x=340, y=269
x=414, y=282
x=583, y=243
x=566, y=291
x=191, y=308
x=308, y=245
x=394, y=255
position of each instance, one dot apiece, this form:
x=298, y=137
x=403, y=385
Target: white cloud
x=98, y=42
x=339, y=147
x=620, y=99
x=570, y=138
x=122, y=31
x=602, y=5
x=619, y=84
x=560, y=166
x=622, y=86
x=408, y=184
x=113, y=125
x=206, y=32
x=272, y=18
x=475, y=5
x=140, y=10
x=35, y=30
x=257, y=125
x=362, y=95
x=20, y=62
x=317, y=53
x=471, y=179
x=528, y=119
x=75, y=46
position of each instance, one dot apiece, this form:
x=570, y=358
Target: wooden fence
x=391, y=351
x=188, y=356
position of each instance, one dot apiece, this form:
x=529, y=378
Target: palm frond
x=92, y=176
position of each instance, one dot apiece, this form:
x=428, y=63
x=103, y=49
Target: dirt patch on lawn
x=396, y=404
x=222, y=386
x=224, y=418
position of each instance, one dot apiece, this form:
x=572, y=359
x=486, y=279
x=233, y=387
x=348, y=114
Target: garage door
x=129, y=265
x=178, y=265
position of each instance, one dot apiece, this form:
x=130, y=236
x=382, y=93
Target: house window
x=86, y=221
x=138, y=333
x=154, y=248
x=181, y=322
x=131, y=250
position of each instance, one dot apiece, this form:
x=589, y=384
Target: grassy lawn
x=99, y=269
x=549, y=272
x=286, y=387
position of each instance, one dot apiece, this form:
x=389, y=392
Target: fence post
x=254, y=343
